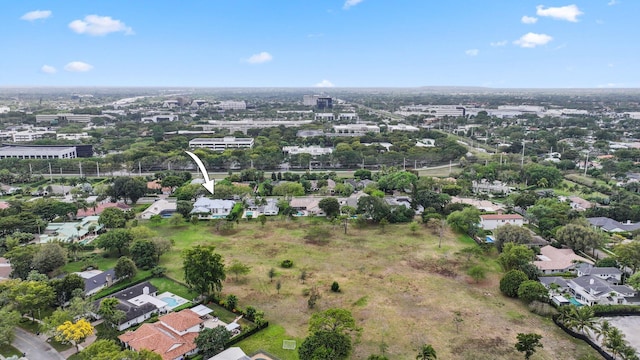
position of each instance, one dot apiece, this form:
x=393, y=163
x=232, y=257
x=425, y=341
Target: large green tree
x=373, y=208
x=21, y=258
x=127, y=188
x=64, y=287
x=337, y=320
x=116, y=239
x=9, y=322
x=112, y=218
x=511, y=281
x=203, y=269
x=325, y=345
x=629, y=254
x=330, y=206
x=532, y=290
x=212, y=341
x=511, y=233
x=49, y=256
x=125, y=268
x=465, y=221
x=578, y=237
x=514, y=256
x=143, y=253
x=31, y=296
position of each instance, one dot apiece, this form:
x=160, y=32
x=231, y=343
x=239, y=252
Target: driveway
x=35, y=347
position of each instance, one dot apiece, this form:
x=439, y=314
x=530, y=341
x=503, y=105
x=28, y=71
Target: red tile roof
x=501, y=217
x=161, y=339
x=100, y=208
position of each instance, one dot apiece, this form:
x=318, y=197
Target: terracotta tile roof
x=501, y=217
x=551, y=258
x=161, y=339
x=100, y=208
x=182, y=320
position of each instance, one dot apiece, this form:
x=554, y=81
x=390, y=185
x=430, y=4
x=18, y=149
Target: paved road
x=35, y=347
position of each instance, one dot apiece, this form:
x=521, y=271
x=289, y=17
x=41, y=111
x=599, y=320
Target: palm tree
x=603, y=330
x=427, y=352
x=615, y=342
x=581, y=319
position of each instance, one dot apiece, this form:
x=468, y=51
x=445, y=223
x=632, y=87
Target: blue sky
x=306, y=43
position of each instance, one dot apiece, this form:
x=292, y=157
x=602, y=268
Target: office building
x=221, y=144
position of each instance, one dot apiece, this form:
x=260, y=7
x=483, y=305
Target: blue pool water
x=249, y=213
x=575, y=302
x=171, y=302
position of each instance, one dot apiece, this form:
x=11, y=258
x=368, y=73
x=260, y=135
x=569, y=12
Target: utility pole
x=586, y=164
x=97, y=169
x=30, y=170
x=80, y=165
x=50, y=174
x=404, y=164
x=522, y=159
x=139, y=169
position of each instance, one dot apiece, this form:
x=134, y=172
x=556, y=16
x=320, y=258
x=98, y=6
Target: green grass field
x=401, y=287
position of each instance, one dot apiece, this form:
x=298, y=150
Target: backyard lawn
x=402, y=288
x=8, y=350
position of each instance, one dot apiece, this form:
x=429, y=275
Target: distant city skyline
x=324, y=44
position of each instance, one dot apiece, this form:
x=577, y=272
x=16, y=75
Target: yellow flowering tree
x=74, y=332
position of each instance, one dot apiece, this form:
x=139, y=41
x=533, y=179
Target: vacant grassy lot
x=401, y=287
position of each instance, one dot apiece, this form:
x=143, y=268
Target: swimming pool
x=575, y=302
x=171, y=302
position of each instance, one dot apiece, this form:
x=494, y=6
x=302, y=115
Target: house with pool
x=206, y=208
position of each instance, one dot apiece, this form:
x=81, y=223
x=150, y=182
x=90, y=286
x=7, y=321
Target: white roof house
x=207, y=208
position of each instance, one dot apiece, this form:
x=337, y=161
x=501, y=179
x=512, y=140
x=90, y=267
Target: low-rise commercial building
x=221, y=144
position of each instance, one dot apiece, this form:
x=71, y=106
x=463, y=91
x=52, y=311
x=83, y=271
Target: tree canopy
x=203, y=269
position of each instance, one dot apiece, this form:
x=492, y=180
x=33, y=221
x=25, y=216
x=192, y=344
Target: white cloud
x=260, y=58
x=568, y=13
x=472, y=52
x=99, y=25
x=531, y=40
x=611, y=85
x=48, y=69
x=350, y=3
x=324, y=83
x=529, y=19
x=36, y=14
x=499, y=43
x=613, y=2
x=78, y=66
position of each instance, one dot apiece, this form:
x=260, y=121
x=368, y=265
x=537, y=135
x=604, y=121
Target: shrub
x=318, y=235
x=306, y=292
x=159, y=271
x=335, y=287
x=286, y=264
x=511, y=281
x=231, y=302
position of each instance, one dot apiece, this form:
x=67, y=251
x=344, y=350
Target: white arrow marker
x=208, y=184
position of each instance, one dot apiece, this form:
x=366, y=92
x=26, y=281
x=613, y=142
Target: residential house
x=553, y=260
x=307, y=206
x=482, y=205
x=270, y=208
x=405, y=201
x=610, y=225
x=207, y=208
x=156, y=186
x=96, y=280
x=579, y=204
x=610, y=274
x=494, y=221
x=172, y=336
x=5, y=269
x=99, y=208
x=162, y=207
x=138, y=302
x=495, y=187
x=83, y=231
x=232, y=353
x=591, y=290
